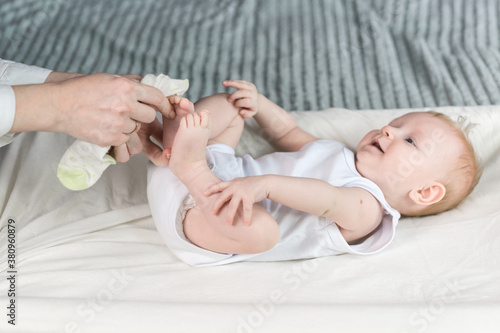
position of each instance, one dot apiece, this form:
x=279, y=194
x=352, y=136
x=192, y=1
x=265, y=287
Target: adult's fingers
x=134, y=144
x=143, y=113
x=123, y=152
x=154, y=129
x=120, y=153
x=134, y=127
x=155, y=154
x=154, y=97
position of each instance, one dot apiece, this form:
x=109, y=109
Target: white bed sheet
x=92, y=261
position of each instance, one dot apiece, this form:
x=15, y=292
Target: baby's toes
x=205, y=118
x=187, y=121
x=186, y=105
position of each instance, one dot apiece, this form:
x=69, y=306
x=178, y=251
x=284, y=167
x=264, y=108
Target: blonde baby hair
x=462, y=179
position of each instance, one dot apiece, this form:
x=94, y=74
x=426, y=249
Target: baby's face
x=411, y=151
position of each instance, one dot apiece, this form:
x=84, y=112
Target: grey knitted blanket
x=302, y=54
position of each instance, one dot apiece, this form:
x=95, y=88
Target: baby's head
x=422, y=161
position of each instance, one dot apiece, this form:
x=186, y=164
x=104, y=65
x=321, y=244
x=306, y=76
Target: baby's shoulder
x=363, y=214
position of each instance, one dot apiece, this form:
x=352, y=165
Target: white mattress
x=92, y=261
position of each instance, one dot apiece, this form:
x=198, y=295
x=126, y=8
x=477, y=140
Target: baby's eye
x=410, y=141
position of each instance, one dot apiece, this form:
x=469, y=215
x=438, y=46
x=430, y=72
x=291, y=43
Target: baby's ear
x=429, y=194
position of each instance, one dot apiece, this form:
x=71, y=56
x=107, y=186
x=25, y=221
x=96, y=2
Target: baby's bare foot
x=188, y=149
x=182, y=107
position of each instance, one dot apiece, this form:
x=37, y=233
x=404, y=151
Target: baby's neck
x=394, y=200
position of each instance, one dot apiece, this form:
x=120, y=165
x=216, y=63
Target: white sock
x=83, y=163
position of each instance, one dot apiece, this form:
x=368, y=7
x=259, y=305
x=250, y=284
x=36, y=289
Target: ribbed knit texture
x=302, y=54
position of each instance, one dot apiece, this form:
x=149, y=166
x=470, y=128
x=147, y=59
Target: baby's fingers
x=232, y=208
x=224, y=197
x=246, y=113
x=244, y=103
x=247, y=212
x=238, y=84
x=219, y=187
x=238, y=95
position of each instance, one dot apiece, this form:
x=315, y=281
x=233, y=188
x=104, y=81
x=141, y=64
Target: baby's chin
x=364, y=159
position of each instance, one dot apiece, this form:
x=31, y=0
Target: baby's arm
x=280, y=128
x=354, y=210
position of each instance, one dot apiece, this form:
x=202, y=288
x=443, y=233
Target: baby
x=312, y=198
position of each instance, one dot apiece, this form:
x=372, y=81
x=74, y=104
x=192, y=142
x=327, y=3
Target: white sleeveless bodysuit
x=302, y=235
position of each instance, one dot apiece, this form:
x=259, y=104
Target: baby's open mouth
x=376, y=144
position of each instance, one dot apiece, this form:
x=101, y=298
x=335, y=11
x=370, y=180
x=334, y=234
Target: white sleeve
x=12, y=73
x=7, y=112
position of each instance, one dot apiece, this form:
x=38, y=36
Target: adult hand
x=55, y=77
x=141, y=141
x=123, y=152
x=155, y=154
x=104, y=109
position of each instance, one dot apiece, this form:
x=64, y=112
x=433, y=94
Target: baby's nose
x=388, y=131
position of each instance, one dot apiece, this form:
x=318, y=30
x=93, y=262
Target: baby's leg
x=201, y=227
x=227, y=124
x=226, y=127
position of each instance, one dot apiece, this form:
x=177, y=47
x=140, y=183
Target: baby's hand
x=245, y=98
x=247, y=190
